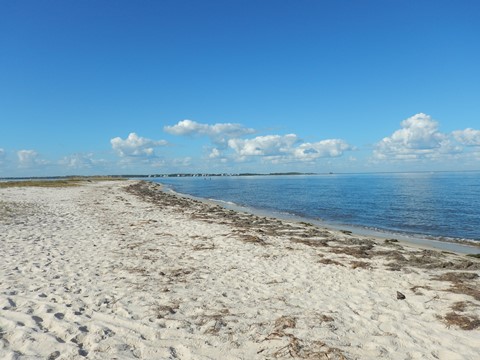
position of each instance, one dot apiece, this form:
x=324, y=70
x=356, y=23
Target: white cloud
x=182, y=162
x=418, y=138
x=79, y=161
x=29, y=158
x=214, y=154
x=321, y=149
x=217, y=132
x=268, y=148
x=277, y=149
x=269, y=145
x=158, y=163
x=469, y=137
x=135, y=146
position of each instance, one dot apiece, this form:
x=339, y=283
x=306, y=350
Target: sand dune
x=121, y=270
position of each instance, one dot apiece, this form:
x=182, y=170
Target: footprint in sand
x=79, y=341
x=54, y=355
x=38, y=320
x=83, y=329
x=59, y=316
x=83, y=352
x=11, y=304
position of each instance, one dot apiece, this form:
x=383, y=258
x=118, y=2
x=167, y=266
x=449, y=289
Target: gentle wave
x=223, y=202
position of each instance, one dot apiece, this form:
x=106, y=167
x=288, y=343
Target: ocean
x=438, y=205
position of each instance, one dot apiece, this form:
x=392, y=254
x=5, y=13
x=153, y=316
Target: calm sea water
x=440, y=205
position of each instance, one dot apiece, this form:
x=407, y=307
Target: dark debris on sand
x=259, y=231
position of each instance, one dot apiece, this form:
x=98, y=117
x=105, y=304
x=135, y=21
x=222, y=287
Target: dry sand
x=121, y=270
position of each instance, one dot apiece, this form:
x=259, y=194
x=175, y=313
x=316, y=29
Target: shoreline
x=122, y=269
x=421, y=241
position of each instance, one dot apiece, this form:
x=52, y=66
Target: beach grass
x=67, y=182
x=39, y=183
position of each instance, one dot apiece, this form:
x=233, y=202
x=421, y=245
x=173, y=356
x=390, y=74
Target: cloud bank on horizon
x=232, y=147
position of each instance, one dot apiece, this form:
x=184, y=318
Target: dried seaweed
x=456, y=277
x=360, y=264
x=462, y=321
x=362, y=252
x=330, y=262
x=253, y=239
x=310, y=242
x=465, y=289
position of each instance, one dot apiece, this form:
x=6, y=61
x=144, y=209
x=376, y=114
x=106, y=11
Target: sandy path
x=100, y=272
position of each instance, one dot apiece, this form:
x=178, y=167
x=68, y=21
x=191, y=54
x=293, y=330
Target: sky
x=179, y=86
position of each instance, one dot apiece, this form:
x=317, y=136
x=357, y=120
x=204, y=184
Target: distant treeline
x=129, y=176
x=223, y=174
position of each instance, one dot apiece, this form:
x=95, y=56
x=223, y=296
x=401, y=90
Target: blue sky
x=113, y=87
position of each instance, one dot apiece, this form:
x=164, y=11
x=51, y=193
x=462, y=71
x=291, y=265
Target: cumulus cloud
x=273, y=148
x=135, y=146
x=158, y=163
x=418, y=138
x=29, y=158
x=79, y=161
x=217, y=132
x=277, y=148
x=269, y=145
x=182, y=162
x=321, y=149
x=214, y=154
x=469, y=137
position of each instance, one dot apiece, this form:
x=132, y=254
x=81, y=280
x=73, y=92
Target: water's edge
x=452, y=245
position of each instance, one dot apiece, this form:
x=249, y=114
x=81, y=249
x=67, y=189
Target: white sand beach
x=122, y=270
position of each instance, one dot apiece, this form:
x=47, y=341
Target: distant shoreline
x=200, y=174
